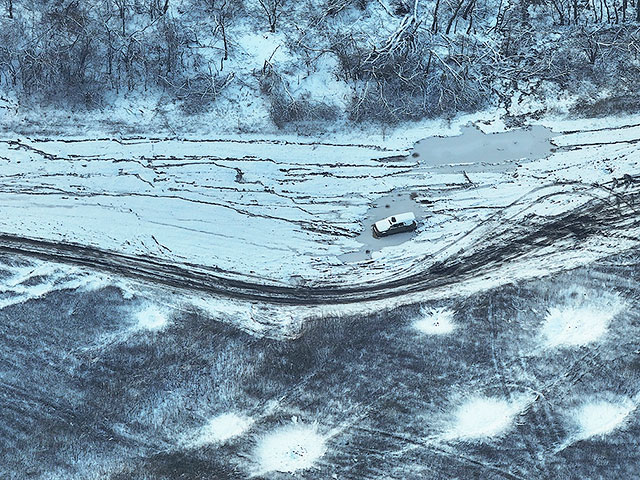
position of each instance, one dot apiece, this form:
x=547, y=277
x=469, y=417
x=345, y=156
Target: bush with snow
x=152, y=318
x=601, y=417
x=222, y=428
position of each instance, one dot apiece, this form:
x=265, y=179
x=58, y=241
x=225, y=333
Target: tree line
x=440, y=57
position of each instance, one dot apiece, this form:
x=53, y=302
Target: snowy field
x=283, y=221
x=536, y=379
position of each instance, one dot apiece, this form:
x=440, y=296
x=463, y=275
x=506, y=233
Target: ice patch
x=435, y=322
x=601, y=417
x=580, y=322
x=483, y=417
x=222, y=428
x=291, y=448
x=152, y=318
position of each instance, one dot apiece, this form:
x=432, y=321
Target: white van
x=403, y=222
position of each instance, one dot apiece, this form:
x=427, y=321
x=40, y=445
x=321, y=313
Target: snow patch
x=261, y=47
x=483, y=417
x=222, y=428
x=38, y=279
x=291, y=448
x=435, y=322
x=602, y=417
x=581, y=321
x=152, y=318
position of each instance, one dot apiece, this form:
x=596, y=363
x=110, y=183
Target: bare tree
x=454, y=15
x=559, y=8
x=157, y=8
x=273, y=10
x=590, y=45
x=8, y=69
x=223, y=12
x=434, y=24
x=221, y=19
x=122, y=7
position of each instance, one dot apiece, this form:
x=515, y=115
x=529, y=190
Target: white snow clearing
x=291, y=448
x=582, y=321
x=601, y=417
x=152, y=318
x=435, y=322
x=483, y=417
x=222, y=428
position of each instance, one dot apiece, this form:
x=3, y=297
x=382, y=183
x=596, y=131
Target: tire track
x=506, y=241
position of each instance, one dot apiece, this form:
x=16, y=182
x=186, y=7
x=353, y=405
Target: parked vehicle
x=402, y=222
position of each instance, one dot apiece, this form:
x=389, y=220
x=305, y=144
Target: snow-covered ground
x=437, y=356
x=282, y=212
x=102, y=379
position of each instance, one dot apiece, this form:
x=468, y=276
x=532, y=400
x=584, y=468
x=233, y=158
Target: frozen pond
x=470, y=152
x=475, y=151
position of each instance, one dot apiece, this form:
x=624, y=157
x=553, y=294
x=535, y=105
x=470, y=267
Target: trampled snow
x=601, y=417
x=222, y=428
x=274, y=197
x=582, y=320
x=435, y=322
x=290, y=448
x=483, y=417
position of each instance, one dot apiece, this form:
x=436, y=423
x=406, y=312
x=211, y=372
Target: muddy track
x=508, y=241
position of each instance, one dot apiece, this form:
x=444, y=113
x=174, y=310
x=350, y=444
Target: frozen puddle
x=483, y=417
x=398, y=201
x=291, y=448
x=602, y=417
x=475, y=151
x=580, y=322
x=151, y=318
x=435, y=322
x=222, y=428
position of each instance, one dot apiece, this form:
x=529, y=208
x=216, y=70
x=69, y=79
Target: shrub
x=285, y=108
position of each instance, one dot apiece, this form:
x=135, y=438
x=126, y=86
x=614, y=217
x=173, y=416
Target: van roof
x=407, y=217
